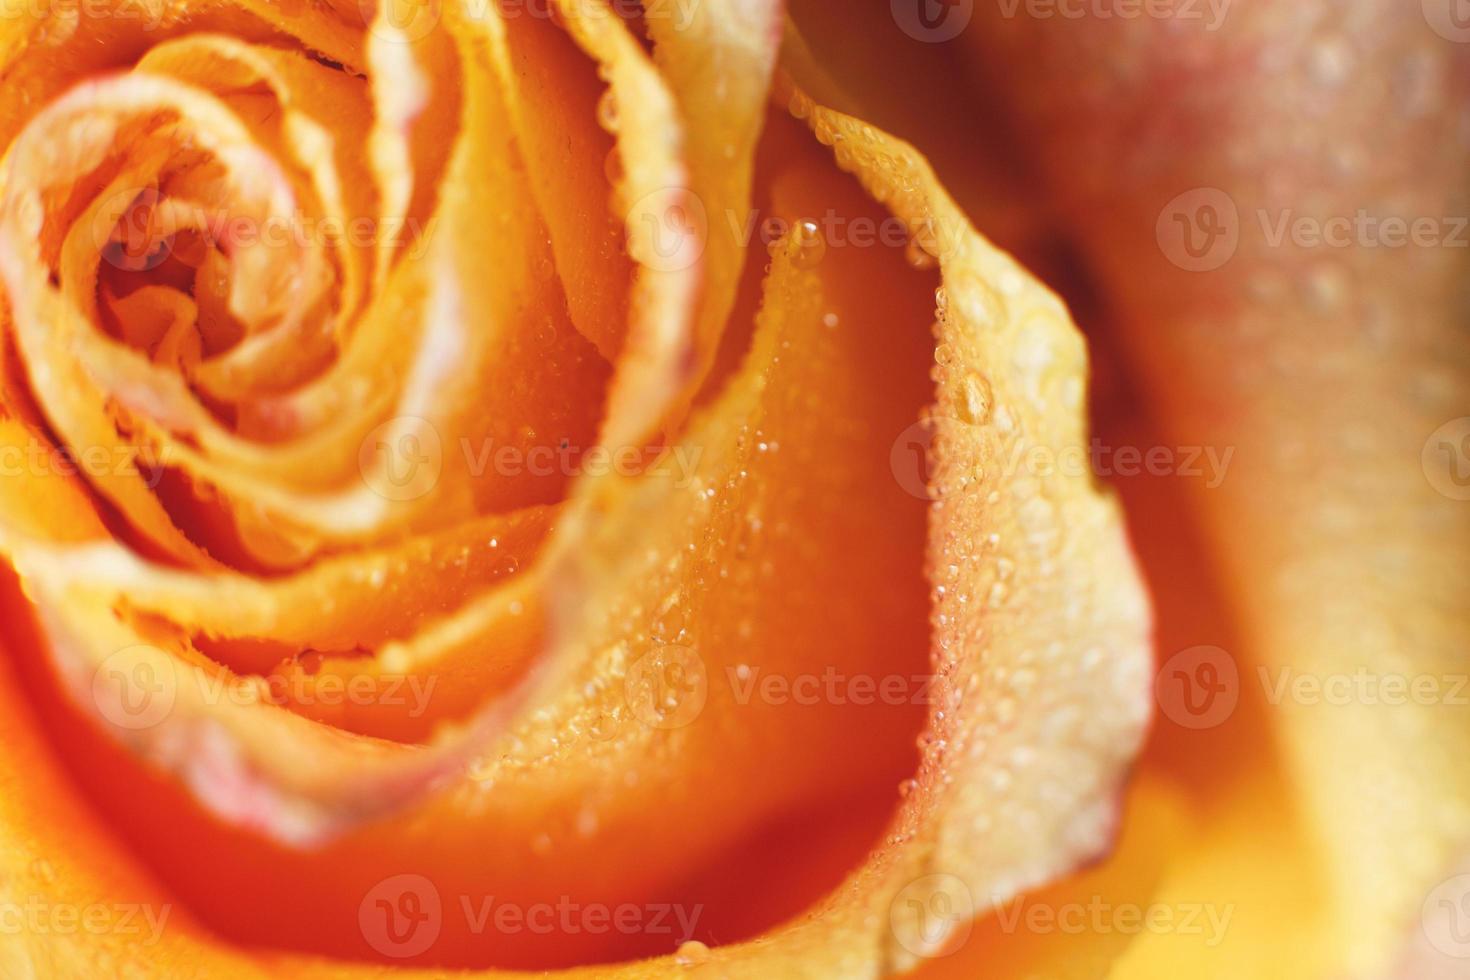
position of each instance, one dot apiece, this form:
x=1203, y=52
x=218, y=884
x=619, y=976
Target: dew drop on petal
x=692, y=953
x=607, y=111
x=918, y=256
x=810, y=246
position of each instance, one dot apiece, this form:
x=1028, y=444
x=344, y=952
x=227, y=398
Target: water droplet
x=607, y=111
x=974, y=406
x=612, y=167
x=669, y=625
x=603, y=727
x=810, y=246
x=1332, y=61
x=918, y=256
x=692, y=953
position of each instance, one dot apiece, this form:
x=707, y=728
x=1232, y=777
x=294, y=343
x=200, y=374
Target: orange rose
x=1258, y=212
x=544, y=483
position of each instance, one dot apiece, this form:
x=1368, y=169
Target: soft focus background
x=1257, y=213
